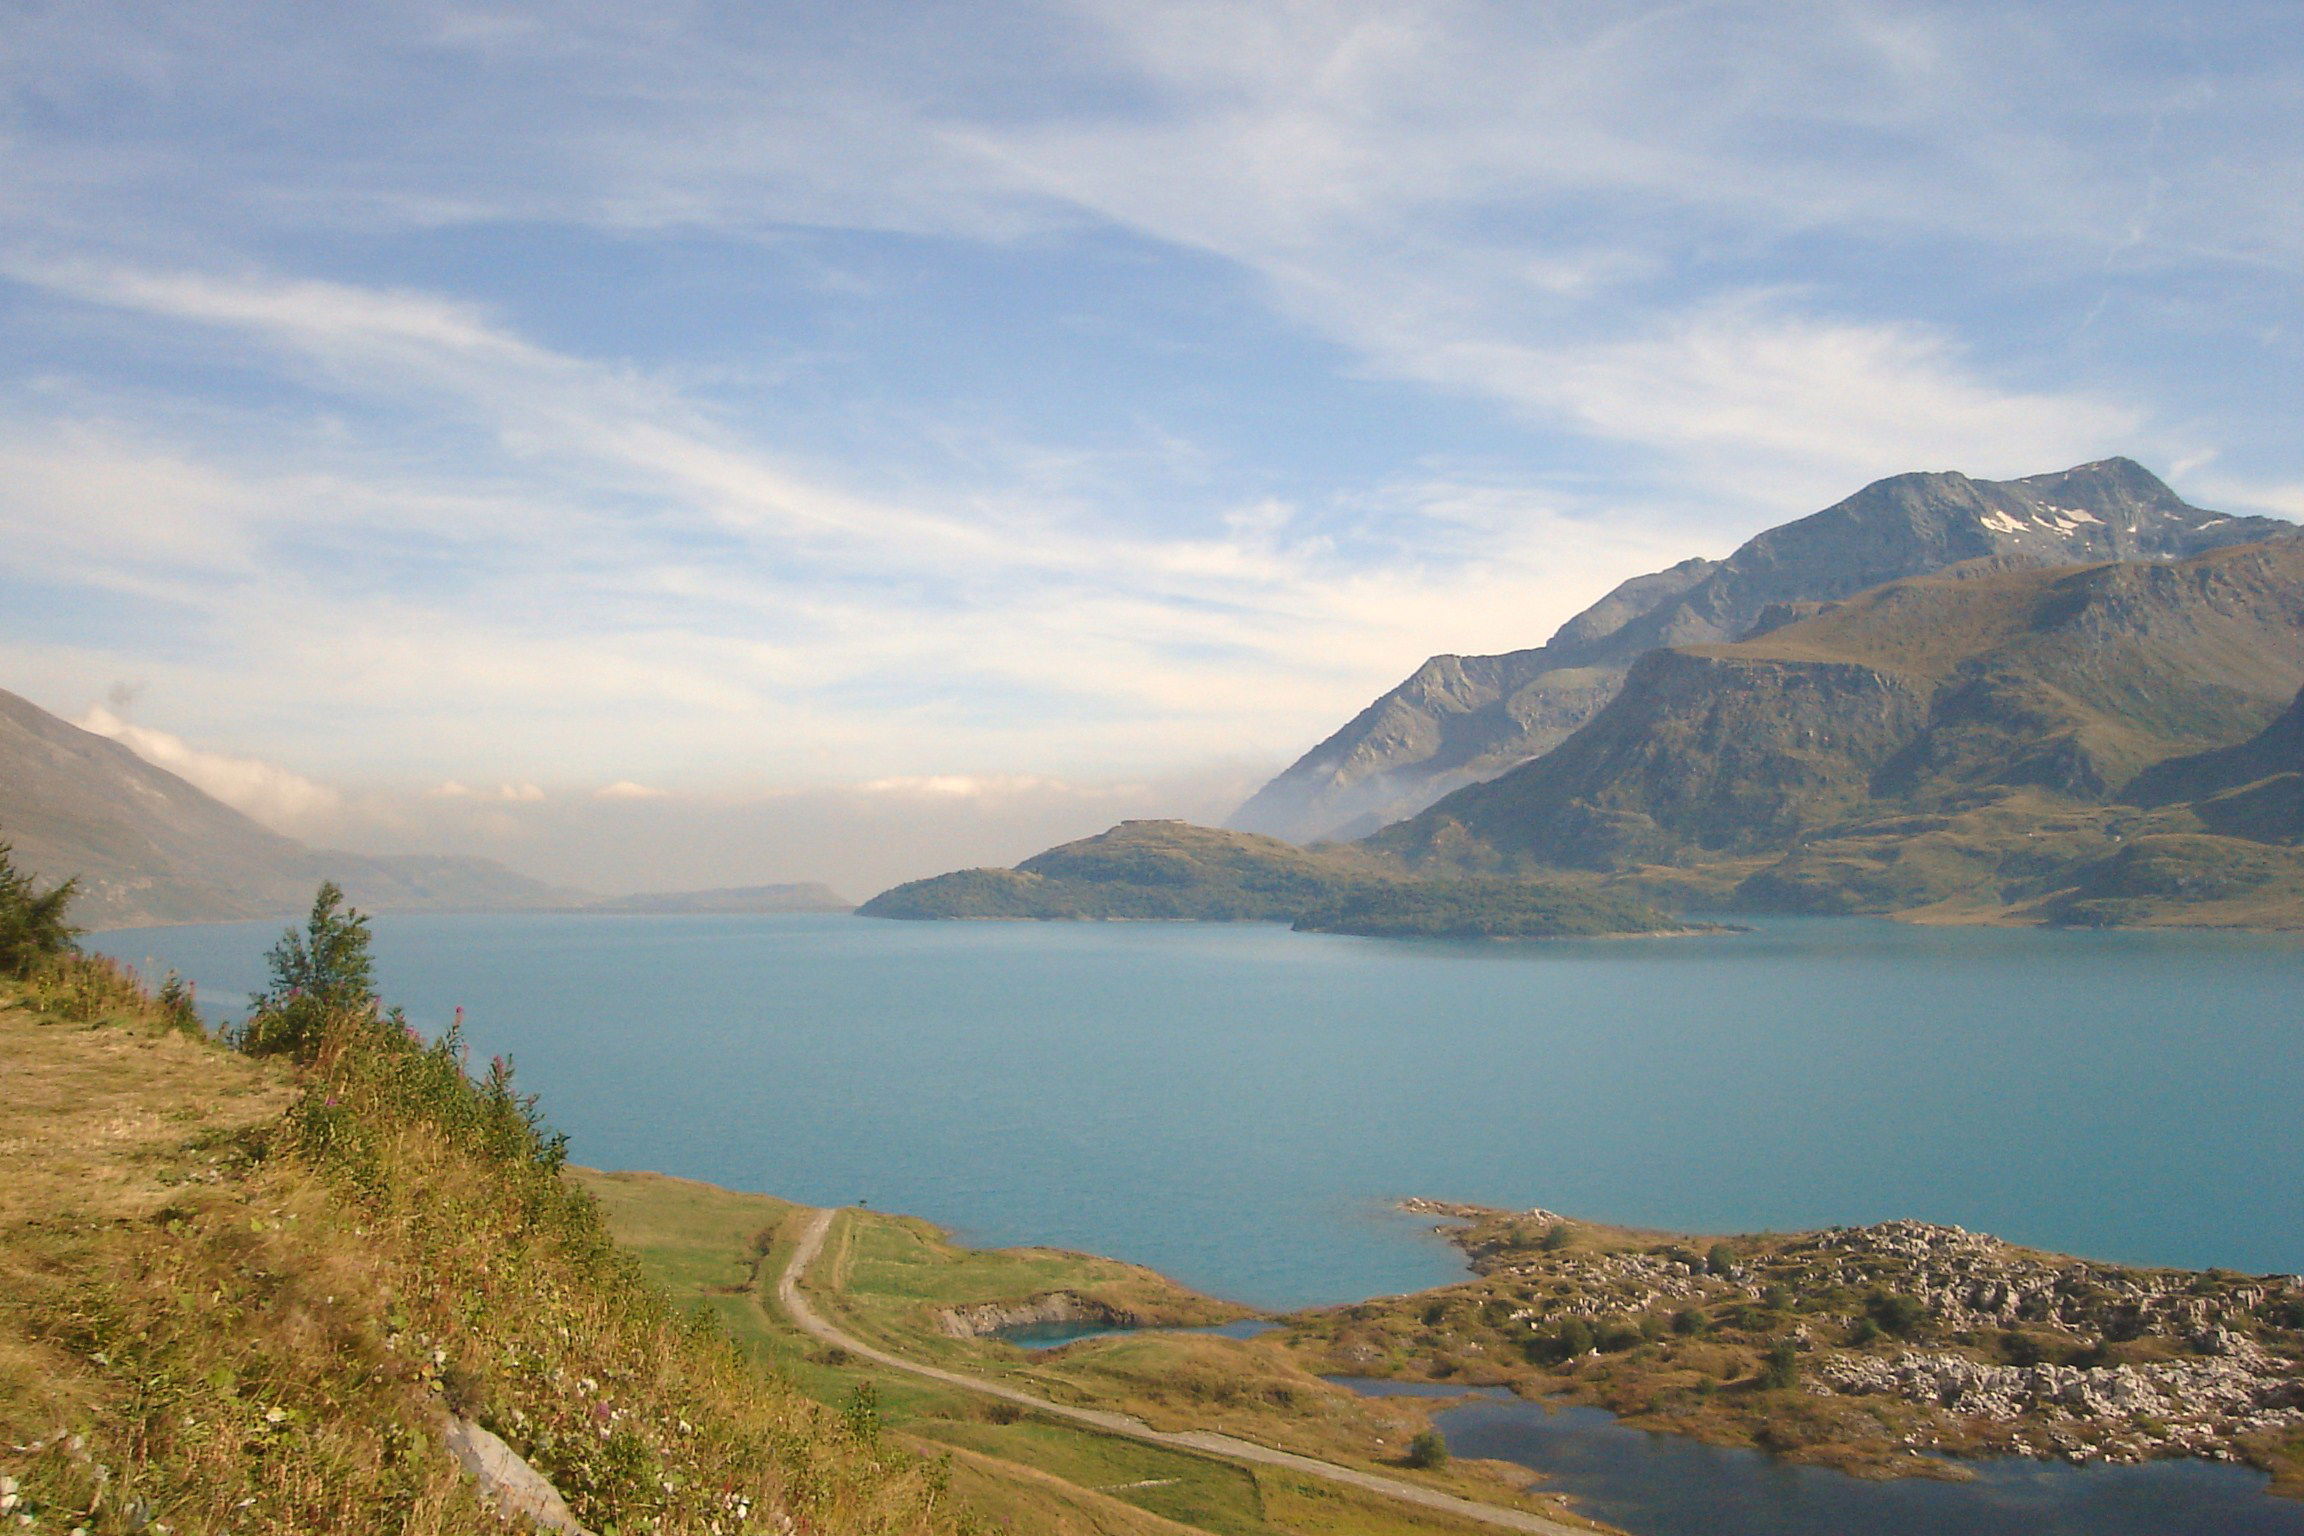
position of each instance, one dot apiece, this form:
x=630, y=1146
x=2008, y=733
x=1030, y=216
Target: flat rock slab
x=513, y=1486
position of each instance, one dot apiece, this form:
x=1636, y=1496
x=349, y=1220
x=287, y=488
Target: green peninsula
x=1173, y=870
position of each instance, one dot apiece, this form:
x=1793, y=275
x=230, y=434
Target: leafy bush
x=1897, y=1314
x=1566, y=1342
x=1781, y=1367
x=1428, y=1450
x=2020, y=1348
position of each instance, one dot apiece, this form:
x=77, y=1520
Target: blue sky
x=422, y=418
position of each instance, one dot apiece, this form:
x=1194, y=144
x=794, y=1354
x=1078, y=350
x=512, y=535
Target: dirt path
x=1206, y=1442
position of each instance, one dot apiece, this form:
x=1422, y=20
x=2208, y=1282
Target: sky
x=703, y=444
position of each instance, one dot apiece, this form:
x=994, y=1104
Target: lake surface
x=1238, y=1105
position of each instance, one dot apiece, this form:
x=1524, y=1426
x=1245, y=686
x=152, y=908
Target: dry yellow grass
x=232, y=1302
x=109, y=1119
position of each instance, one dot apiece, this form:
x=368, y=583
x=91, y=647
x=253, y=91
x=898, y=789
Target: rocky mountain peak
x=1462, y=720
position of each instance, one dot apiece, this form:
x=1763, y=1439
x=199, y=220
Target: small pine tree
x=32, y=922
x=328, y=961
x=322, y=973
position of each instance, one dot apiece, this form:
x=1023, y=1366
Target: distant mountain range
x=729, y=901
x=150, y=848
x=147, y=847
x=1462, y=720
x=2004, y=738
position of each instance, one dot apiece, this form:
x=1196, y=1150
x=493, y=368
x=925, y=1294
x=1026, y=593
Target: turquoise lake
x=1240, y=1107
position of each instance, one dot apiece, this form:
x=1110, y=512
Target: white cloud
x=1747, y=386
x=509, y=794
x=626, y=789
x=281, y=799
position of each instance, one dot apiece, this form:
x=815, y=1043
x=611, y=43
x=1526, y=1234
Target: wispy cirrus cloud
x=629, y=546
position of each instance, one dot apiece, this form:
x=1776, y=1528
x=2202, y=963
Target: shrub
x=1721, y=1259
x=1688, y=1322
x=1571, y=1339
x=1899, y=1315
x=33, y=928
x=2020, y=1348
x=1781, y=1368
x=1429, y=1450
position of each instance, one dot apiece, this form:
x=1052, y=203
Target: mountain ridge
x=2074, y=681
x=1460, y=720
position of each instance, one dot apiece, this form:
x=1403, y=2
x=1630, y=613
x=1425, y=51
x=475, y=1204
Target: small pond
x=1056, y=1335
x=1669, y=1485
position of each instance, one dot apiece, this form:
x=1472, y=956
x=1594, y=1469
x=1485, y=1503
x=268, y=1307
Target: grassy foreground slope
x=1173, y=870
x=241, y=1293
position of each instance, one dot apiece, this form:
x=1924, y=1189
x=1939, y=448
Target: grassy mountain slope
x=1172, y=870
x=1920, y=696
x=150, y=848
x=1467, y=719
x=2255, y=789
x=237, y=1298
x=1139, y=869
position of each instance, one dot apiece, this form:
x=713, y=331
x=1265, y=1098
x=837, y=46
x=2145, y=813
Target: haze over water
x=1237, y=1105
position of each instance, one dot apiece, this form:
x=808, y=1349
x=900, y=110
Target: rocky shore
x=986, y=1318
x=1881, y=1349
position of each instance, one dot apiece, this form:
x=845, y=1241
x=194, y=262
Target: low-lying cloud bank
x=623, y=836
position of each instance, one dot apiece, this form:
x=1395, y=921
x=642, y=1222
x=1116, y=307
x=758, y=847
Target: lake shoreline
x=1879, y=1350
